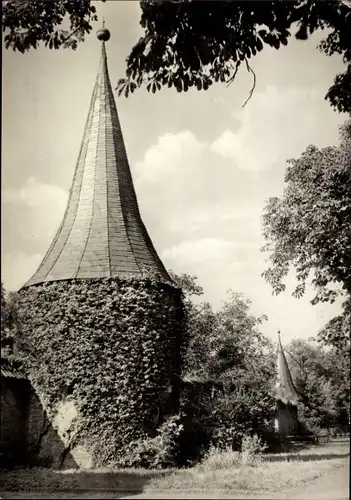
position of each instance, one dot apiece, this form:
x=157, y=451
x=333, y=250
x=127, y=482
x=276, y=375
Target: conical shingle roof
x=286, y=391
x=101, y=234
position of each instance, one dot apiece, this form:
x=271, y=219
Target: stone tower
x=286, y=396
x=102, y=317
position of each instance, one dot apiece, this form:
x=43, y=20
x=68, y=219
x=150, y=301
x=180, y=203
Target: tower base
x=286, y=421
x=104, y=357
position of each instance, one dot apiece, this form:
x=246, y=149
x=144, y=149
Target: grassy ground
x=263, y=478
x=225, y=471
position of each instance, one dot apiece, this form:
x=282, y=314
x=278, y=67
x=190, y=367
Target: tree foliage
x=190, y=43
x=226, y=341
x=193, y=44
x=308, y=228
x=9, y=331
x=322, y=377
x=228, y=370
x=336, y=333
x=26, y=23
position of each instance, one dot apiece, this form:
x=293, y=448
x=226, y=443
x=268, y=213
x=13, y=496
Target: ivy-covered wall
x=104, y=356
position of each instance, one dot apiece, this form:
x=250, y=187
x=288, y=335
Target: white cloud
x=185, y=187
x=42, y=205
x=274, y=126
x=171, y=153
x=221, y=265
x=173, y=175
x=37, y=194
x=187, y=190
x=185, y=184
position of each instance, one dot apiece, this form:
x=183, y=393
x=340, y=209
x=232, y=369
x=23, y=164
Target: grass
x=334, y=449
x=265, y=477
x=36, y=479
x=226, y=471
x=223, y=471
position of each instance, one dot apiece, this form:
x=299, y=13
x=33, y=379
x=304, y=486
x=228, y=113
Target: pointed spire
x=279, y=340
x=286, y=391
x=101, y=234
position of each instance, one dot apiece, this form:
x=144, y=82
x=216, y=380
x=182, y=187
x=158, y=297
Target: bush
x=218, y=458
x=158, y=452
x=229, y=388
x=251, y=449
x=224, y=457
x=224, y=438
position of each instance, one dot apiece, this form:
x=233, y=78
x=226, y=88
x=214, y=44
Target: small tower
x=287, y=398
x=102, y=316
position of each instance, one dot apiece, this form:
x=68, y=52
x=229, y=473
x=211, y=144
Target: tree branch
x=231, y=79
x=253, y=84
x=71, y=34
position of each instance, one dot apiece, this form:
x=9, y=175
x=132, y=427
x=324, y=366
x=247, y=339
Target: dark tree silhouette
x=192, y=43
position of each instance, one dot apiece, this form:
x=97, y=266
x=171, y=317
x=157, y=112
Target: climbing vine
x=111, y=347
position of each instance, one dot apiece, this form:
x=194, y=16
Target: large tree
x=308, y=229
x=323, y=380
x=191, y=43
x=27, y=23
x=229, y=371
x=234, y=363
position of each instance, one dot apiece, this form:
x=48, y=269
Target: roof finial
x=103, y=34
x=279, y=339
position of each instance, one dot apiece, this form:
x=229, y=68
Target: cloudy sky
x=203, y=166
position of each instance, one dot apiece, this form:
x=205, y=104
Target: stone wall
x=14, y=400
x=286, y=419
x=27, y=436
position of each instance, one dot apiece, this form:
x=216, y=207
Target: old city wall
x=27, y=437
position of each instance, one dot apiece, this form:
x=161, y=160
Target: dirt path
x=332, y=486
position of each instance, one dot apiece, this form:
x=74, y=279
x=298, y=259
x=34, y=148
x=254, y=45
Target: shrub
x=156, y=452
x=218, y=458
x=223, y=438
x=224, y=457
x=230, y=368
x=251, y=449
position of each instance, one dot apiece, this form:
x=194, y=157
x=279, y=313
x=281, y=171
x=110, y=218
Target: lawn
x=225, y=471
